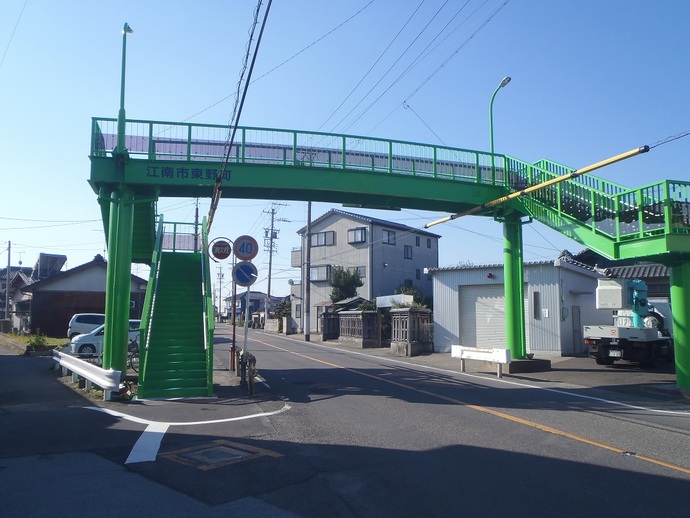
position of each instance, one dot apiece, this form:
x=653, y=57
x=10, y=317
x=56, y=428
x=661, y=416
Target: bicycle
x=133, y=355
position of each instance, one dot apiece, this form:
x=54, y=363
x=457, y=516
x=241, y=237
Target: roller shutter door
x=482, y=319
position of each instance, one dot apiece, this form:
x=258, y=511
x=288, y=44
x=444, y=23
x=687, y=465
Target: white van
x=83, y=323
x=91, y=343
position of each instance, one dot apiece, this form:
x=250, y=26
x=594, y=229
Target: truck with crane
x=642, y=331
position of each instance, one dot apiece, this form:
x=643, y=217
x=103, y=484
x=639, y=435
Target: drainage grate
x=217, y=454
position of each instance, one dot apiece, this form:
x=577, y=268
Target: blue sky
x=590, y=79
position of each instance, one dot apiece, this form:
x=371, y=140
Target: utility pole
x=220, y=291
x=307, y=279
x=7, y=282
x=270, y=234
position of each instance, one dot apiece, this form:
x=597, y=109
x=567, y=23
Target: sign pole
x=246, y=324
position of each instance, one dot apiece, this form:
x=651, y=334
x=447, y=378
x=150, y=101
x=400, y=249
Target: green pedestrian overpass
x=171, y=159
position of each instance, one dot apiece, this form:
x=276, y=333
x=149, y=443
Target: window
x=320, y=273
x=361, y=270
x=408, y=252
x=428, y=242
x=417, y=239
x=298, y=310
x=418, y=274
x=388, y=237
x=357, y=235
x=323, y=238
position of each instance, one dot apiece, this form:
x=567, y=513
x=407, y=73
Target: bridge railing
x=169, y=141
x=606, y=208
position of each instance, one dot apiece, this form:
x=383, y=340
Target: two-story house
x=387, y=256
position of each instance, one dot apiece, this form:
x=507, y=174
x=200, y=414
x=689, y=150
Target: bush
x=37, y=341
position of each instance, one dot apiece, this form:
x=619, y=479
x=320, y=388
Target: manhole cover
x=216, y=454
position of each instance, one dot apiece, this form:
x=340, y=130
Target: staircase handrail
x=207, y=294
x=608, y=210
x=150, y=299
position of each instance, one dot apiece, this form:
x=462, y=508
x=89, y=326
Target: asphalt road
x=337, y=432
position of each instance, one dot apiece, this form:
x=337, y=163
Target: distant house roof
x=48, y=265
x=97, y=262
x=370, y=220
x=481, y=266
x=350, y=303
x=640, y=271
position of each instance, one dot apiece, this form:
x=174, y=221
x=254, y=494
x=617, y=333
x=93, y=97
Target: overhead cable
x=218, y=187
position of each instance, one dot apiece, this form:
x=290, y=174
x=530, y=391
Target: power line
x=284, y=62
x=419, y=34
x=670, y=139
x=13, y=31
x=372, y=66
x=237, y=112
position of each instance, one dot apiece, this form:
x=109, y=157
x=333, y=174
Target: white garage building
x=469, y=306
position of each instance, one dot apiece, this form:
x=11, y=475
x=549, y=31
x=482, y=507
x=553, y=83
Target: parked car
x=90, y=344
x=83, y=323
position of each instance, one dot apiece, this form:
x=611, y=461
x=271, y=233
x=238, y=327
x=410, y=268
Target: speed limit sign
x=245, y=248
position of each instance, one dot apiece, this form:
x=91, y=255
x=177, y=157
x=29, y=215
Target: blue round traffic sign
x=245, y=248
x=244, y=273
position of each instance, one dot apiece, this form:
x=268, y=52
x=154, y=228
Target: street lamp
x=121, y=114
x=505, y=81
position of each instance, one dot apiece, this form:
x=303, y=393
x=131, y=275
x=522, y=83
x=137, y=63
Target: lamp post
x=505, y=81
x=120, y=231
x=121, y=114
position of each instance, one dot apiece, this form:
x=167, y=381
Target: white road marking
x=146, y=448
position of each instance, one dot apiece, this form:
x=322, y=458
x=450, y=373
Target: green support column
x=513, y=285
x=118, y=280
x=680, y=298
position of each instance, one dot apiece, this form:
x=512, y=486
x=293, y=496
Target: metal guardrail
x=107, y=379
x=158, y=140
x=497, y=356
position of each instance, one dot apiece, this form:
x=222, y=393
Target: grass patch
x=39, y=340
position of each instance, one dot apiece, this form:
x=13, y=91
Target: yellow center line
x=490, y=411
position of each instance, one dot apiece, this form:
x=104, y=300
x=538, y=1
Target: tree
x=284, y=308
x=344, y=284
x=418, y=298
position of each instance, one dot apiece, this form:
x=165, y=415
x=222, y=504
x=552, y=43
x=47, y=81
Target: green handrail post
x=294, y=148
x=668, y=209
x=208, y=307
x=152, y=143
x=640, y=212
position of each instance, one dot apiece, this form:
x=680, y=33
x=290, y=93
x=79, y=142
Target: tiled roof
x=640, y=271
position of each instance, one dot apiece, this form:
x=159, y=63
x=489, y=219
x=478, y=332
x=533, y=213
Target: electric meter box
x=611, y=294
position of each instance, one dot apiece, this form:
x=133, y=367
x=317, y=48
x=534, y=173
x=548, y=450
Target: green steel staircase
x=620, y=223
x=176, y=350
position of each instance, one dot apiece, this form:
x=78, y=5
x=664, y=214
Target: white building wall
x=542, y=315
x=446, y=301
x=551, y=293
x=578, y=307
